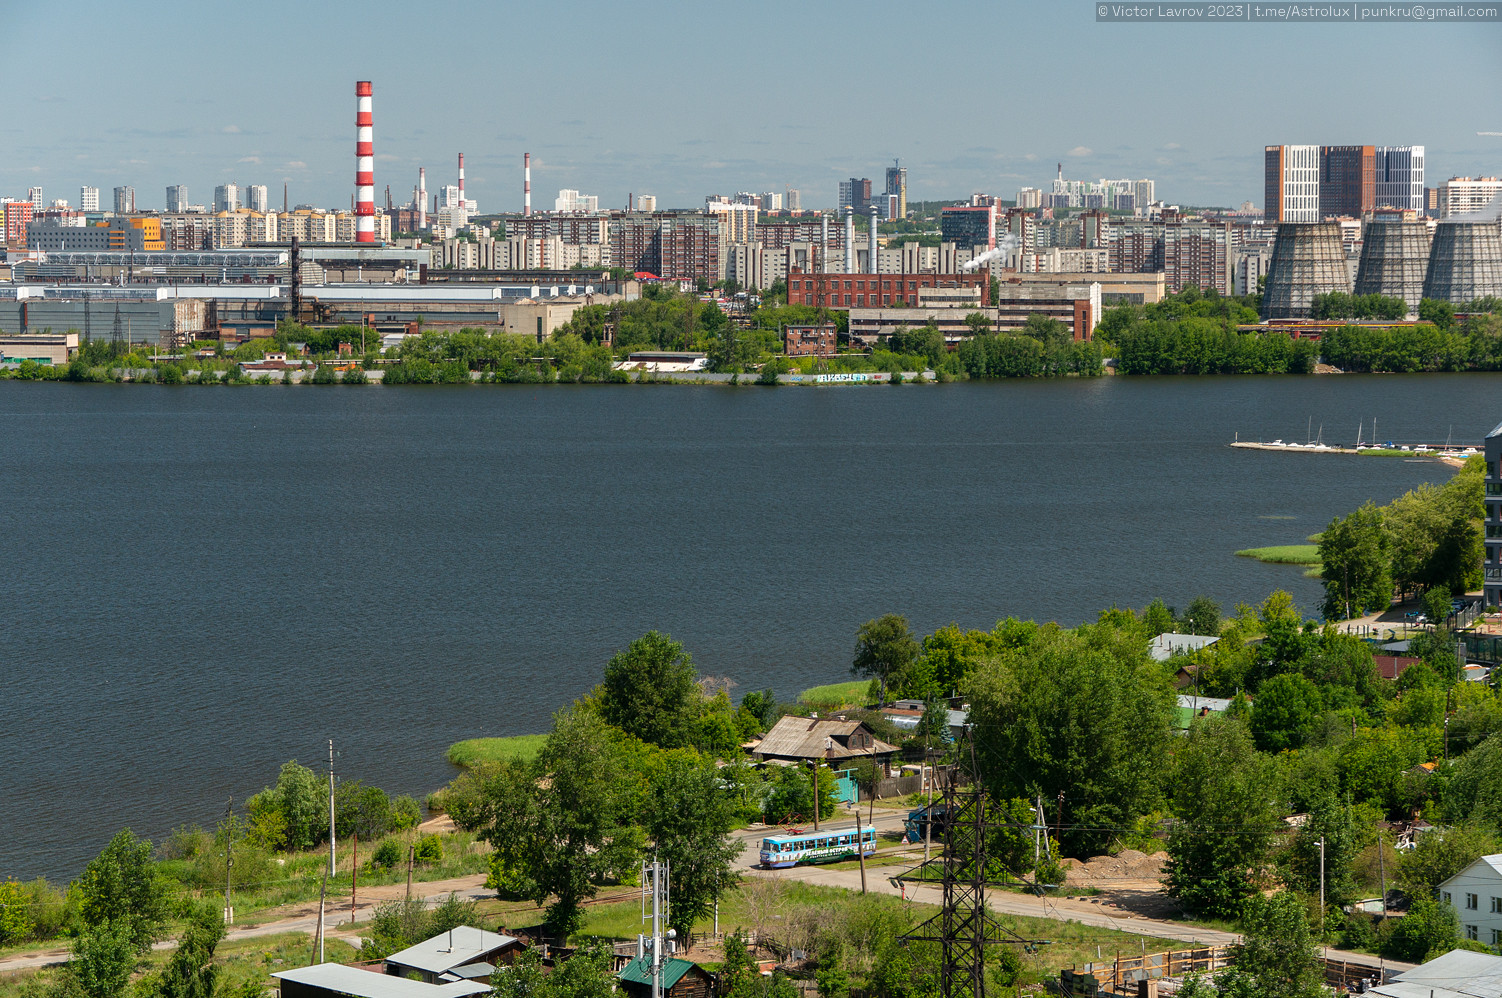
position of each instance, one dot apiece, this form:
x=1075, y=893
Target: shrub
x=429, y=849
x=354, y=376
x=324, y=375
x=405, y=813
x=170, y=374
x=15, y=913
x=387, y=855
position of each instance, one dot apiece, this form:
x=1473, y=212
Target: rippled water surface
x=199, y=584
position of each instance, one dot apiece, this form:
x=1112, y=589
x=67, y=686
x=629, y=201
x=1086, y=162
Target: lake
x=201, y=583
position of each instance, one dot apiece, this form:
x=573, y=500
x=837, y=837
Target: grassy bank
x=477, y=751
x=1284, y=554
x=851, y=694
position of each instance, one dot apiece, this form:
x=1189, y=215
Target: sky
x=687, y=99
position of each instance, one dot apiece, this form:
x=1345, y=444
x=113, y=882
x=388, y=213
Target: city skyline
x=593, y=123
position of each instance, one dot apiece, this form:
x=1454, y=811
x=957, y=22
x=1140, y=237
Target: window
x=1496, y=906
x=1470, y=902
x=1470, y=932
x=1497, y=937
x=1444, y=896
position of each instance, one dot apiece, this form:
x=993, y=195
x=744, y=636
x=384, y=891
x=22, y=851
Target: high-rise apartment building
x=125, y=200
x=256, y=197
x=88, y=199
x=855, y=193
x=34, y=195
x=1347, y=180
x=674, y=245
x=897, y=184
x=1463, y=195
x=646, y=202
x=227, y=198
x=794, y=199
x=1291, y=184
x=1186, y=251
x=177, y=198
x=1400, y=177
x=1029, y=197
x=567, y=200
x=771, y=201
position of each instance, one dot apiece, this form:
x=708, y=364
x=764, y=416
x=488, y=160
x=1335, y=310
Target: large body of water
x=199, y=584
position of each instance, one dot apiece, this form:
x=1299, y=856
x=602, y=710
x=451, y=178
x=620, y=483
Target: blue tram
x=831, y=845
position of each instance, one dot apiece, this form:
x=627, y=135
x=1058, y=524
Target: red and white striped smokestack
x=461, y=180
x=526, y=183
x=364, y=166
x=422, y=197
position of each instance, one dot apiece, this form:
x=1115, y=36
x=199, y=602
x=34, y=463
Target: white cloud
x=1173, y=145
x=249, y=159
x=297, y=164
x=1081, y=151
x=231, y=129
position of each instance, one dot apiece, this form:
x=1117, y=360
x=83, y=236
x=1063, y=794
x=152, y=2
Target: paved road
x=304, y=918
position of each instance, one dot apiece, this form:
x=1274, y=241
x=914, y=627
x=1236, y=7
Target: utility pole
x=229, y=857
x=411, y=851
x=354, y=874
x=332, y=871
x=928, y=815
x=1058, y=822
x=323, y=891
x=860, y=847
x=814, y=770
x=1381, y=865
x=1322, y=887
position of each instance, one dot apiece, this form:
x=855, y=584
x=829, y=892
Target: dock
x=1437, y=452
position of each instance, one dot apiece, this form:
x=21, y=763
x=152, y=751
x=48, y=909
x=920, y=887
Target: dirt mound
x=1129, y=864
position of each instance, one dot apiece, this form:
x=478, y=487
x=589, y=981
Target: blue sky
x=686, y=99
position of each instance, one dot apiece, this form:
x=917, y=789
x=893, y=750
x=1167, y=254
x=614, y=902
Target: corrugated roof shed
x=356, y=983
x=452, y=949
x=1457, y=974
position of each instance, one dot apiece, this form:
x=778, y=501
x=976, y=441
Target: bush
x=405, y=813
x=429, y=849
x=1360, y=932
x=387, y=855
x=354, y=376
x=170, y=374
x=324, y=375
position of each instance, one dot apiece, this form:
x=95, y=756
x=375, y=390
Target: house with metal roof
x=1476, y=895
x=465, y=953
x=680, y=978
x=1457, y=974
x=812, y=739
x=334, y=980
x=1166, y=646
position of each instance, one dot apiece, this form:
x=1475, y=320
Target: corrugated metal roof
x=1457, y=974
x=359, y=983
x=805, y=738
x=1165, y=646
x=639, y=971
x=445, y=952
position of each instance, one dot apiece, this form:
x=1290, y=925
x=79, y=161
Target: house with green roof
x=680, y=978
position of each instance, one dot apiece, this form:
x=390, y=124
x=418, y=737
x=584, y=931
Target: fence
x=1120, y=976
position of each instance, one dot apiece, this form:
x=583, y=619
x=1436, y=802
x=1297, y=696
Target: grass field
x=476, y=751
x=851, y=694
x=1284, y=554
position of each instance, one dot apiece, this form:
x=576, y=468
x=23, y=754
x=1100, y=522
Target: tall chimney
x=461, y=180
x=526, y=183
x=850, y=240
x=364, y=165
x=871, y=243
x=422, y=197
x=824, y=244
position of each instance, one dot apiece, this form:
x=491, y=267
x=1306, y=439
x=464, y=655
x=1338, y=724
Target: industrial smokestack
x=871, y=243
x=422, y=197
x=526, y=183
x=850, y=240
x=824, y=244
x=461, y=180
x=364, y=165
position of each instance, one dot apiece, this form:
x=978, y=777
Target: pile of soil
x=1129, y=864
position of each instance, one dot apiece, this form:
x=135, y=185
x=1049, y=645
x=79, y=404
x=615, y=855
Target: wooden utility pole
x=1382, y=867
x=411, y=849
x=229, y=857
x=860, y=847
x=814, y=770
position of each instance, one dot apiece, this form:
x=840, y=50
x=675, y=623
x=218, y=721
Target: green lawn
x=1284, y=554
x=851, y=694
x=477, y=751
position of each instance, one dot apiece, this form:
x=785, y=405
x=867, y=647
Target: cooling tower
x=1308, y=260
x=1394, y=257
x=1465, y=261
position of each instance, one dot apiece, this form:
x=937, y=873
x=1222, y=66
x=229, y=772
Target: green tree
x=651, y=691
x=191, y=973
x=103, y=958
x=689, y=825
x=1277, y=957
x=1334, y=823
x=1202, y=616
x=1475, y=790
x=1356, y=561
x=1437, y=311
x=1082, y=713
x=292, y=814
x=121, y=887
x=1429, y=927
x=563, y=822
x=16, y=920
x=1438, y=856
x=1285, y=713
x=932, y=731
x=524, y=978
x=1223, y=797
x=883, y=648
x=1157, y=618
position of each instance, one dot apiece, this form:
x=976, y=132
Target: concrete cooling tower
x=1394, y=258
x=1308, y=260
x=1465, y=262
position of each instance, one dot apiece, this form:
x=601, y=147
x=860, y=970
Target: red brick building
x=810, y=341
x=872, y=290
